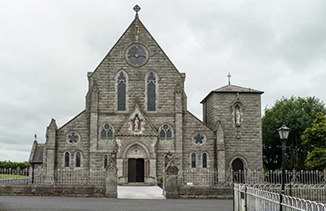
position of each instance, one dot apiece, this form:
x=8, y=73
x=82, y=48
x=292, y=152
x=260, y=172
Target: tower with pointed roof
x=136, y=108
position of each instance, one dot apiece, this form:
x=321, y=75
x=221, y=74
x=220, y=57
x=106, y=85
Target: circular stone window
x=199, y=138
x=137, y=55
x=73, y=137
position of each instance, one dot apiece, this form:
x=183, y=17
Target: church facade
x=136, y=111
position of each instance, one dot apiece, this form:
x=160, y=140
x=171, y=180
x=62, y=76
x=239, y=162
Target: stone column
x=220, y=148
x=111, y=181
x=50, y=146
x=172, y=189
x=179, y=126
x=93, y=131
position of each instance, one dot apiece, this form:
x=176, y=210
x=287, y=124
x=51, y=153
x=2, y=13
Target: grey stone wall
x=51, y=190
x=192, y=125
x=79, y=124
x=205, y=192
x=249, y=146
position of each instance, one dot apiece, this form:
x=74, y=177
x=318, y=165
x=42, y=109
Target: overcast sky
x=48, y=46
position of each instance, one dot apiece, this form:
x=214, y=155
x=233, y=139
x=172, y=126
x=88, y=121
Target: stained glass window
x=121, y=92
x=204, y=160
x=199, y=138
x=107, y=132
x=73, y=137
x=193, y=160
x=67, y=159
x=137, y=55
x=105, y=161
x=78, y=157
x=151, y=92
x=166, y=132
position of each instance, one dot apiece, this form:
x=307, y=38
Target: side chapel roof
x=233, y=89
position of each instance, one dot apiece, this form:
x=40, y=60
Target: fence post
x=172, y=188
x=111, y=181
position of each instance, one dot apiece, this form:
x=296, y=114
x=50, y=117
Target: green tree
x=13, y=165
x=314, y=141
x=298, y=114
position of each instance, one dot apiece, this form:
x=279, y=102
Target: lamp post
x=284, y=133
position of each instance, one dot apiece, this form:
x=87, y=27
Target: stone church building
x=136, y=110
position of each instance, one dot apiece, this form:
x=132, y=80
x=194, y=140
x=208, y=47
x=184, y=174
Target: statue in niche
x=237, y=116
x=136, y=123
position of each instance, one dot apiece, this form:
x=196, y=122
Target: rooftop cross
x=35, y=136
x=229, y=76
x=137, y=9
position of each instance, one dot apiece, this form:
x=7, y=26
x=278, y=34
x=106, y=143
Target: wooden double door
x=136, y=170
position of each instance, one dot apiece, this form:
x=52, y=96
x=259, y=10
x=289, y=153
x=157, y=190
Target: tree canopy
x=298, y=114
x=314, y=141
x=13, y=165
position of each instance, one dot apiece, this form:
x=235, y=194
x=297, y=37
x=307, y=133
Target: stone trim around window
x=116, y=91
x=73, y=137
x=156, y=91
x=199, y=138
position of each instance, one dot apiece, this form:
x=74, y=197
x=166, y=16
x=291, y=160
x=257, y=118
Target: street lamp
x=284, y=133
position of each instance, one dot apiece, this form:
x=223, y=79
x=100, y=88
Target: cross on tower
x=229, y=76
x=137, y=9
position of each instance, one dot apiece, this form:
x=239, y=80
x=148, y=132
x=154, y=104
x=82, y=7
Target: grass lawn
x=12, y=176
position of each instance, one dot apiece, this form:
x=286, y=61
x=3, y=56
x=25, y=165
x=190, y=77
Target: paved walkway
x=47, y=203
x=140, y=192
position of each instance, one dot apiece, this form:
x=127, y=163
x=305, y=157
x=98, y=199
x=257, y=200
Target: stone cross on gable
x=137, y=9
x=229, y=77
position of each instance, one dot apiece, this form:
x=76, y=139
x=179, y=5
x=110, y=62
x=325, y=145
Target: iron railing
x=211, y=177
x=60, y=176
x=252, y=198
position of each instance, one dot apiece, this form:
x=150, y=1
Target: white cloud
x=47, y=47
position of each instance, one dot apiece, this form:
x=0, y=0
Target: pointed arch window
x=166, y=132
x=204, y=160
x=105, y=161
x=151, y=92
x=122, y=92
x=166, y=160
x=107, y=132
x=78, y=159
x=67, y=159
x=193, y=160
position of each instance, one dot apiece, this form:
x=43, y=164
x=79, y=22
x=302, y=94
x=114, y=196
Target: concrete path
x=140, y=192
x=49, y=203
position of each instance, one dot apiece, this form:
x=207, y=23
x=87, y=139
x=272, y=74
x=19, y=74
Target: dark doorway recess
x=238, y=171
x=135, y=170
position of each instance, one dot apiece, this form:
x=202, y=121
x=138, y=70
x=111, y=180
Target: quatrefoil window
x=136, y=55
x=199, y=138
x=73, y=137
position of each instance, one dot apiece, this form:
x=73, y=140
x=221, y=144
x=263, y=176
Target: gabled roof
x=37, y=154
x=147, y=128
x=138, y=21
x=233, y=89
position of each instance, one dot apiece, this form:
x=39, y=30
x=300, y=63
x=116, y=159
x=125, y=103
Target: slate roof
x=38, y=154
x=233, y=89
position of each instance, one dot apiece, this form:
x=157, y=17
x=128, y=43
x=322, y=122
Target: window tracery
x=151, y=92
x=107, y=132
x=166, y=132
x=121, y=92
x=199, y=138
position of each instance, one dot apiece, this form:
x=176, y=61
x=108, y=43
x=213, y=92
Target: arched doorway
x=238, y=171
x=136, y=164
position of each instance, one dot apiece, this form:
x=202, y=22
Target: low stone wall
x=51, y=190
x=205, y=192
